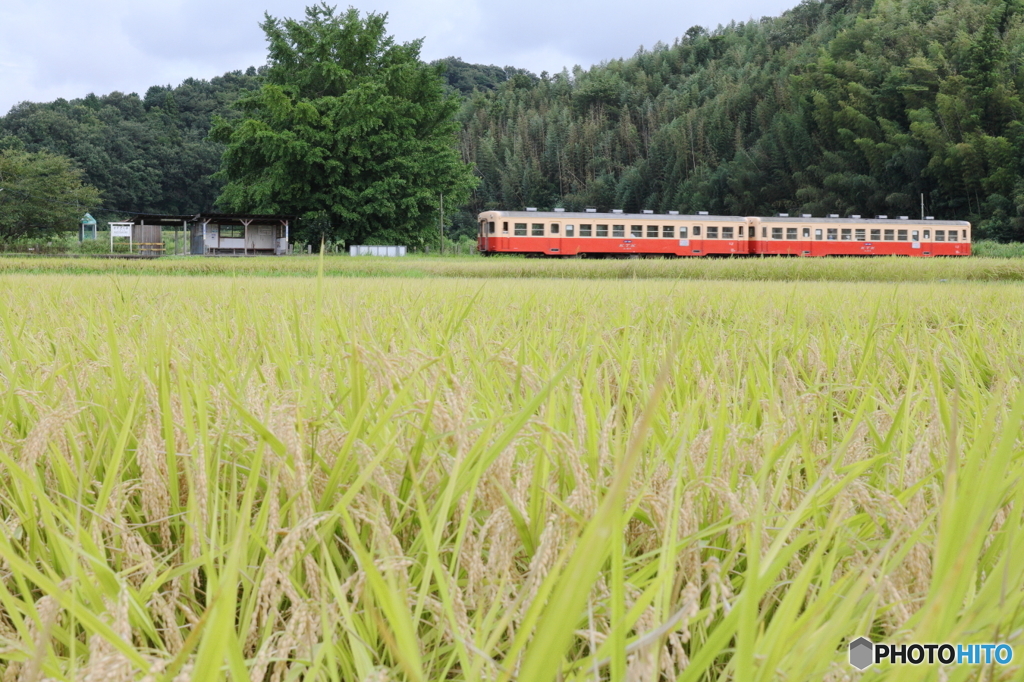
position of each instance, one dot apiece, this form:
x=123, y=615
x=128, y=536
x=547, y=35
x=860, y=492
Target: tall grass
x=993, y=249
x=464, y=480
x=740, y=269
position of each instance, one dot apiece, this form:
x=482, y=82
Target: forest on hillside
x=146, y=154
x=843, y=106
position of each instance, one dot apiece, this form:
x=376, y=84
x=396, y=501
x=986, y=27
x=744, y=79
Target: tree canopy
x=836, y=106
x=349, y=130
x=41, y=195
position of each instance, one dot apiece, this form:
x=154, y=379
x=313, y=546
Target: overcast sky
x=69, y=48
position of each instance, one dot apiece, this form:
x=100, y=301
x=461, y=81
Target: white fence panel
x=387, y=251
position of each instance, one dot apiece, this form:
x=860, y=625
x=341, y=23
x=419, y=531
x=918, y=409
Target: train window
x=696, y=230
x=965, y=235
x=817, y=234
x=952, y=235
x=504, y=227
x=712, y=232
x=490, y=227
x=890, y=235
x=652, y=231
x=741, y=230
x=790, y=233
x=915, y=236
x=764, y=233
x=520, y=229
x=538, y=230
x=682, y=232
x=876, y=235
x=668, y=231
x=833, y=234
x=569, y=230
x=846, y=234
x=585, y=231
x=858, y=235
x=776, y=233
x=554, y=228
x=727, y=232
x=636, y=231
x=927, y=234
x=901, y=235
x=940, y=235
x=602, y=230
x=618, y=230
x=807, y=233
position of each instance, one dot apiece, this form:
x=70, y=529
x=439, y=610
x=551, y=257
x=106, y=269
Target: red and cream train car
x=647, y=234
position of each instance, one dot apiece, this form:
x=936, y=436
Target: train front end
x=487, y=241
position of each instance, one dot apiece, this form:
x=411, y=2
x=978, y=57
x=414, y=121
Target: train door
x=915, y=243
x=819, y=247
x=753, y=245
x=554, y=245
x=568, y=242
x=697, y=240
x=804, y=240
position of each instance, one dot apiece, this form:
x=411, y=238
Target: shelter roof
x=158, y=218
x=255, y=218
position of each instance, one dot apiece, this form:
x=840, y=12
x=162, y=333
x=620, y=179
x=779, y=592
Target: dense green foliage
x=148, y=154
x=349, y=130
x=468, y=78
x=846, y=106
x=41, y=195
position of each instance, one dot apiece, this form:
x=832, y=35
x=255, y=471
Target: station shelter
x=239, y=234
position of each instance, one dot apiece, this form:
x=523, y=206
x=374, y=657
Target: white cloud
x=69, y=48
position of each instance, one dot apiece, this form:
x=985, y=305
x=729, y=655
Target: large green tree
x=349, y=130
x=41, y=195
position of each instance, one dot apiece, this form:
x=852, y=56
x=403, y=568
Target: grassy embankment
x=465, y=480
x=756, y=269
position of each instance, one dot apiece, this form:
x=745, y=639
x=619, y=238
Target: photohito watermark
x=864, y=652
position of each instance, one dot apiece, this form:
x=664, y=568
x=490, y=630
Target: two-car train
x=648, y=234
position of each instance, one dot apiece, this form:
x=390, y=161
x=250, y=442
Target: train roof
x=861, y=221
x=612, y=216
x=640, y=217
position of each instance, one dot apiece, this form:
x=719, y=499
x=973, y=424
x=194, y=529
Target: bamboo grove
x=834, y=107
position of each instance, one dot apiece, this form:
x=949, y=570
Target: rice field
x=881, y=269
x=372, y=479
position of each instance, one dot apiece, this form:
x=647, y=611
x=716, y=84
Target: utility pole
x=922, y=205
x=440, y=223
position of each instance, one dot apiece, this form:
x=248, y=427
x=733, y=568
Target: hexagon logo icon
x=861, y=653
